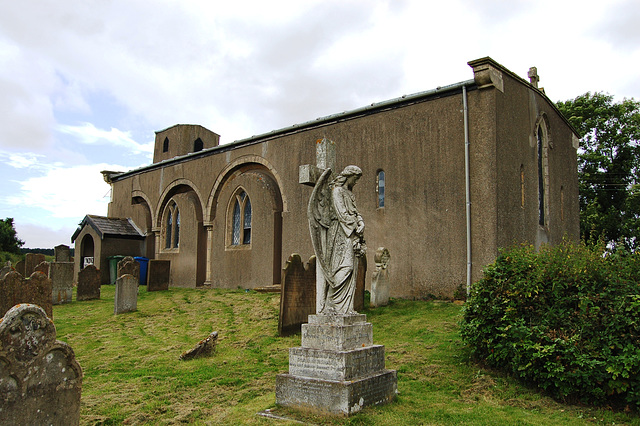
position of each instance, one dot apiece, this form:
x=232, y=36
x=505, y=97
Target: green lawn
x=132, y=374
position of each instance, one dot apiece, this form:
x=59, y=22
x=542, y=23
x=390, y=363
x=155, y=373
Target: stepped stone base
x=337, y=370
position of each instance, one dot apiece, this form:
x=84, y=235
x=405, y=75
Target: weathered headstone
x=42, y=267
x=380, y=280
x=297, y=294
x=31, y=260
x=126, y=298
x=40, y=379
x=204, y=348
x=20, y=268
x=130, y=266
x=61, y=274
x=158, y=275
x=16, y=289
x=88, y=283
x=62, y=253
x=5, y=270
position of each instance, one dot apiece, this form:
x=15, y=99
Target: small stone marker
x=16, y=289
x=42, y=267
x=126, y=298
x=380, y=280
x=158, y=275
x=61, y=274
x=31, y=260
x=204, y=348
x=62, y=253
x=128, y=265
x=40, y=379
x=88, y=283
x=297, y=294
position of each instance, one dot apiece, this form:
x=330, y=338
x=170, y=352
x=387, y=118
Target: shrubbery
x=565, y=318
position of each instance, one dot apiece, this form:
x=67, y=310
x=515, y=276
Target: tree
x=9, y=241
x=608, y=167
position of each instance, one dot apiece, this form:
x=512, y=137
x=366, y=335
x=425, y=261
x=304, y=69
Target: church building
x=450, y=176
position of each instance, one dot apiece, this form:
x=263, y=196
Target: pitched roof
x=110, y=227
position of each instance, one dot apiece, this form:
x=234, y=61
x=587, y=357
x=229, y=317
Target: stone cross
x=534, y=78
x=325, y=158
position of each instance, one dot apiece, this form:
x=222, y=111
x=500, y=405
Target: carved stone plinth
x=338, y=370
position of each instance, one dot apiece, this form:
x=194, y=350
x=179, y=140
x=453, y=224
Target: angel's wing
x=321, y=214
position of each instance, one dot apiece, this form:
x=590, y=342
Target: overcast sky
x=84, y=84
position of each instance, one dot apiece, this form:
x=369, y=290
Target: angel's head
x=349, y=176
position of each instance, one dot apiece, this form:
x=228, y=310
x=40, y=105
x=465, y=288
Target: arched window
x=380, y=188
x=165, y=145
x=197, y=145
x=172, y=226
x=241, y=220
x=542, y=178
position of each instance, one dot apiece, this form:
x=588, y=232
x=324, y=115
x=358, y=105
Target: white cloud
x=88, y=134
x=66, y=192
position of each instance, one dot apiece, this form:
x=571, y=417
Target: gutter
x=467, y=185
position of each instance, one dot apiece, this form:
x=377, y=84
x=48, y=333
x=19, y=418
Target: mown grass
x=132, y=374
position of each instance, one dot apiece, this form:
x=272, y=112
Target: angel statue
x=337, y=234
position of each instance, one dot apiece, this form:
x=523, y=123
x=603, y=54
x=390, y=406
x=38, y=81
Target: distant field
x=132, y=374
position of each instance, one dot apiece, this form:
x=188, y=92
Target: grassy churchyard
x=132, y=374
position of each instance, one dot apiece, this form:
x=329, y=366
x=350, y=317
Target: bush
x=566, y=319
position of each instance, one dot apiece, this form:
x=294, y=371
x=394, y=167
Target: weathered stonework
x=380, y=280
x=61, y=274
x=88, y=283
x=337, y=370
x=32, y=260
x=204, y=348
x=126, y=297
x=15, y=289
x=297, y=294
x=158, y=275
x=62, y=253
x=40, y=379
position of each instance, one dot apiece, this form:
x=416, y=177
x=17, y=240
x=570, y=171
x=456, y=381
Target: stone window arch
x=198, y=145
x=172, y=226
x=380, y=188
x=241, y=217
x=165, y=145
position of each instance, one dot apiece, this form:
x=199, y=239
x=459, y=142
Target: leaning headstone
x=204, y=348
x=42, y=267
x=126, y=298
x=16, y=289
x=297, y=294
x=380, y=280
x=31, y=260
x=62, y=253
x=128, y=265
x=88, y=283
x=40, y=379
x=20, y=267
x=158, y=275
x=61, y=274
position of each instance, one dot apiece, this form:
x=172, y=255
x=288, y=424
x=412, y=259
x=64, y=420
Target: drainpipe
x=467, y=184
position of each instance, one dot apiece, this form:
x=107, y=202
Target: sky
x=84, y=84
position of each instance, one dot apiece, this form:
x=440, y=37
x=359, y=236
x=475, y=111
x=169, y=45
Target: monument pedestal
x=338, y=369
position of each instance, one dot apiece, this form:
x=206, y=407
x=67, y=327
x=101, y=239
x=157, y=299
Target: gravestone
x=130, y=266
x=158, y=275
x=16, y=289
x=6, y=269
x=20, y=267
x=40, y=379
x=61, y=274
x=31, y=260
x=337, y=369
x=62, y=253
x=126, y=298
x=380, y=280
x=297, y=294
x=204, y=348
x=88, y=283
x=42, y=267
